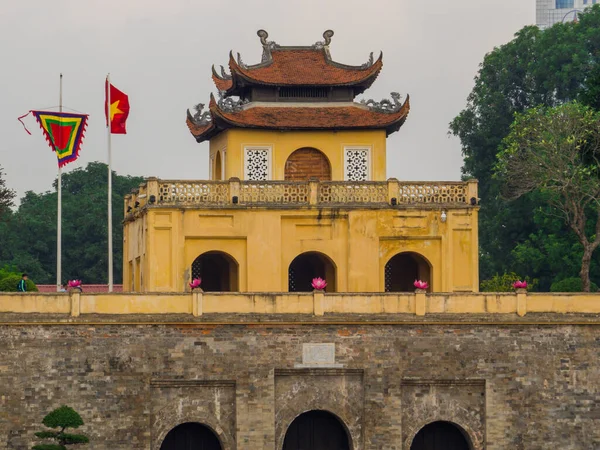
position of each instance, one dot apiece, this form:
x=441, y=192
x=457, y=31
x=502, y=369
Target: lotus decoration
x=319, y=284
x=195, y=283
x=520, y=284
x=76, y=284
x=422, y=285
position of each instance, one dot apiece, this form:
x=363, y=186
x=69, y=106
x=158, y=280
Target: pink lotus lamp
x=520, y=284
x=195, y=283
x=74, y=284
x=421, y=285
x=319, y=284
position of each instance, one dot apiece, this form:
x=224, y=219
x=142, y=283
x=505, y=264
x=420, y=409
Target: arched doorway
x=191, y=436
x=218, y=271
x=403, y=269
x=218, y=168
x=306, y=163
x=316, y=430
x=440, y=436
x=311, y=265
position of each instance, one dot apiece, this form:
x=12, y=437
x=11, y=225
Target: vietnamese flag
x=118, y=109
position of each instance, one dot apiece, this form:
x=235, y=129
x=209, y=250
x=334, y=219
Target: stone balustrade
x=281, y=193
x=309, y=304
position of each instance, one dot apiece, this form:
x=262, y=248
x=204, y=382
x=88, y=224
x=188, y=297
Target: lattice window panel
x=193, y=193
x=337, y=192
x=357, y=164
x=433, y=193
x=292, y=280
x=257, y=164
x=272, y=192
x=388, y=277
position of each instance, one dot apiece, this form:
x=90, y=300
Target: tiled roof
x=301, y=118
x=305, y=66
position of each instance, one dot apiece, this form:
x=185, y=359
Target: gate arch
x=307, y=266
x=191, y=436
x=218, y=271
x=317, y=430
x=441, y=435
x=306, y=163
x=403, y=269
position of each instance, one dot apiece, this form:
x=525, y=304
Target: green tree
x=556, y=151
x=548, y=67
x=6, y=197
x=61, y=419
x=31, y=232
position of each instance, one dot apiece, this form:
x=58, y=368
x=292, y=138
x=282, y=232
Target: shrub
x=572, y=284
x=504, y=282
x=61, y=418
x=9, y=283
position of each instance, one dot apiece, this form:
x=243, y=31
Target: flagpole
x=110, y=234
x=59, y=210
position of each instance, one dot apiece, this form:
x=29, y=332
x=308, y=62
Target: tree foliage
x=29, y=236
x=7, y=196
x=61, y=419
x=538, y=67
x=556, y=151
x=504, y=282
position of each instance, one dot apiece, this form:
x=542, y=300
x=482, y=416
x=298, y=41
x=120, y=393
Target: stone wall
x=529, y=385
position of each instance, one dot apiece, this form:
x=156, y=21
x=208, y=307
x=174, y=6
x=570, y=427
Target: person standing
x=22, y=286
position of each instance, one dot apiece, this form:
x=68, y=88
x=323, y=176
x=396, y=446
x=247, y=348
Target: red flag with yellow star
x=118, y=109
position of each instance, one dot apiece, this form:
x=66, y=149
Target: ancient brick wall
x=517, y=386
x=307, y=163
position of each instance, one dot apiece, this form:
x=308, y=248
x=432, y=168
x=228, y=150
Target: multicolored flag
x=118, y=109
x=63, y=131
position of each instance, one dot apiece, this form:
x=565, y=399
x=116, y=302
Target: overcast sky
x=160, y=52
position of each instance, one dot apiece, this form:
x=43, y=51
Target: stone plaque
x=318, y=355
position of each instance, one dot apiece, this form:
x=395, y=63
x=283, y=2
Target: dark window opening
x=316, y=430
x=191, y=436
x=218, y=271
x=403, y=269
x=303, y=92
x=440, y=436
x=307, y=266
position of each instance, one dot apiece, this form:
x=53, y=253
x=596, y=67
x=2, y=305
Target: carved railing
x=353, y=192
x=446, y=192
x=280, y=193
x=193, y=192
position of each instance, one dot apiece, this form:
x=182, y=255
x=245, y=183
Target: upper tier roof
x=296, y=66
x=354, y=116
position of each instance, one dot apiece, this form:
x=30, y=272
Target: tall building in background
x=549, y=12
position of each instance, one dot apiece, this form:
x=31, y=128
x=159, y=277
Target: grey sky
x=160, y=53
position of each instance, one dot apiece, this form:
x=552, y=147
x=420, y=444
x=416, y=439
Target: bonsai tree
x=61, y=419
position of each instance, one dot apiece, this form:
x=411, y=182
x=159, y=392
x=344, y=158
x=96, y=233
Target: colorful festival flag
x=118, y=109
x=63, y=131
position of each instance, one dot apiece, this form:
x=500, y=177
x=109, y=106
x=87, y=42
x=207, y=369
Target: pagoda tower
x=298, y=190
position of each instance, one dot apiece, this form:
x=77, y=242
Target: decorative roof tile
x=300, y=118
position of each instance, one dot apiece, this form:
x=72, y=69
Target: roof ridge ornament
x=199, y=118
x=366, y=65
x=228, y=104
x=227, y=76
x=240, y=62
x=385, y=105
x=267, y=45
x=327, y=35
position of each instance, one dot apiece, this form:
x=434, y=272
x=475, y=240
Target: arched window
x=306, y=163
x=217, y=169
x=403, y=269
x=218, y=271
x=316, y=430
x=191, y=436
x=311, y=265
x=440, y=436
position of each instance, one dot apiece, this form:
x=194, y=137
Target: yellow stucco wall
x=551, y=304
x=264, y=241
x=231, y=144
